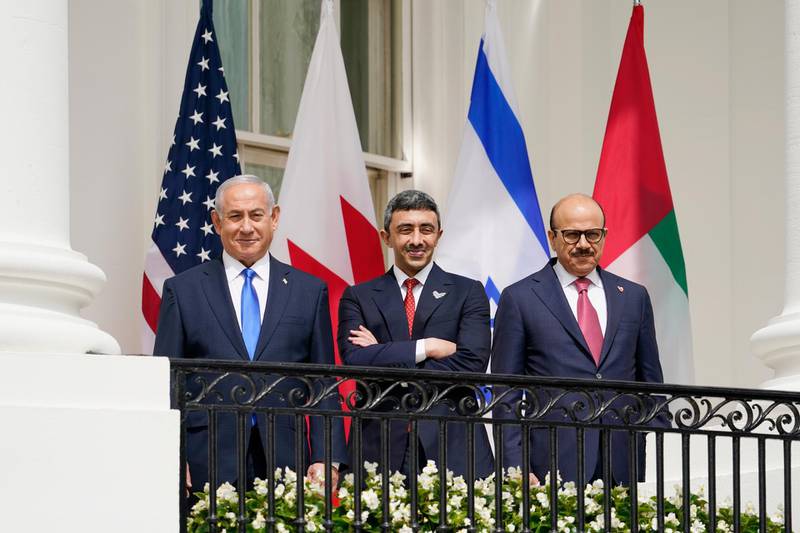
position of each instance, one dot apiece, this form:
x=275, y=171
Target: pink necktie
x=588, y=321
x=409, y=284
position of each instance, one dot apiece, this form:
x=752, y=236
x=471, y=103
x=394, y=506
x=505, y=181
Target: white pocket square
x=437, y=294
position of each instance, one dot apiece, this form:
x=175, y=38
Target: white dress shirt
x=233, y=272
x=596, y=293
x=422, y=277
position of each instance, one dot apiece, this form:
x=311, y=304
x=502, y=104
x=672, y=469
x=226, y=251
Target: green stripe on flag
x=668, y=241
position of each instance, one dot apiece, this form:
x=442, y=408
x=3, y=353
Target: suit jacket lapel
x=548, y=289
x=277, y=298
x=615, y=301
x=437, y=281
x=219, y=297
x=386, y=295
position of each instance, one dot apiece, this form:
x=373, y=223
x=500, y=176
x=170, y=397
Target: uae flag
x=643, y=242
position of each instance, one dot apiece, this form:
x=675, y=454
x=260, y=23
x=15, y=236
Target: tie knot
x=582, y=284
x=248, y=273
x=410, y=283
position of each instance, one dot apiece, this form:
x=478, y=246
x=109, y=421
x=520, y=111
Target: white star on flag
x=222, y=96
x=207, y=228
x=168, y=167
x=197, y=117
x=209, y=203
x=203, y=255
x=203, y=64
x=182, y=223
x=207, y=36
x=179, y=249
x=163, y=194
x=186, y=197
x=159, y=220
x=200, y=90
x=219, y=123
x=215, y=150
x=212, y=176
x=193, y=144
x=189, y=171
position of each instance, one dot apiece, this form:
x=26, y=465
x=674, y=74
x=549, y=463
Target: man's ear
x=275, y=216
x=385, y=237
x=551, y=236
x=215, y=219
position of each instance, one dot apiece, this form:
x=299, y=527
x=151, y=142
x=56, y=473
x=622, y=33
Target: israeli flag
x=493, y=229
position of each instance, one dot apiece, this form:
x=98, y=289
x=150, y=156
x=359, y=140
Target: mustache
x=582, y=253
x=411, y=248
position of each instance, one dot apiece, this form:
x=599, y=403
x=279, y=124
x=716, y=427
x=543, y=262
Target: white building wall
x=717, y=72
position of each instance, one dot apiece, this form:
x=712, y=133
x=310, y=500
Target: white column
x=778, y=343
x=43, y=282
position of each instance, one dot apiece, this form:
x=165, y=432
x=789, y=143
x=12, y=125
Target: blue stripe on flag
x=501, y=135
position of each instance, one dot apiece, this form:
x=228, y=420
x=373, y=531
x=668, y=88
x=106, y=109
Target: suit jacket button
x=599, y=375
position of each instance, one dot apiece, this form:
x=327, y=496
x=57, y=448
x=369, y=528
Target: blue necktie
x=251, y=317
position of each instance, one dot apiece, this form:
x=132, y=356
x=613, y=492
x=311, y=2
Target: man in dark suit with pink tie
x=572, y=319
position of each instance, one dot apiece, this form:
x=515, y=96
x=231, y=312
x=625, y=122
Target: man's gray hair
x=238, y=180
x=407, y=201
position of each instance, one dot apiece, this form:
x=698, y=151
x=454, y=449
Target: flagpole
x=637, y=3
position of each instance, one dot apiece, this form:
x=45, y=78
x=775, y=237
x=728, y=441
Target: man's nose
x=416, y=237
x=247, y=225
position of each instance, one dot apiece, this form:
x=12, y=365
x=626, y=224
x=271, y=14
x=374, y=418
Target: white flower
x=723, y=526
x=426, y=481
x=455, y=501
x=370, y=499
x=282, y=528
x=226, y=492
x=371, y=468
x=430, y=468
x=279, y=490
x=405, y=529
x=511, y=527
x=697, y=527
x=543, y=499
x=259, y=522
x=671, y=520
x=397, y=478
x=778, y=516
x=343, y=493
x=433, y=508
x=311, y=526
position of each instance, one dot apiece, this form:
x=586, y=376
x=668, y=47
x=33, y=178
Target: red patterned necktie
x=409, y=284
x=588, y=320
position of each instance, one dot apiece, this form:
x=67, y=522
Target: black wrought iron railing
x=570, y=434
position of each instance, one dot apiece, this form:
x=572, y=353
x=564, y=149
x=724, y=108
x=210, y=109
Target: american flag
x=202, y=155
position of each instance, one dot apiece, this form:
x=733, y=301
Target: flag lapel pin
x=437, y=294
x=620, y=288
x=284, y=281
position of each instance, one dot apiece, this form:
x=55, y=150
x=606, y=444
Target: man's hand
x=534, y=481
x=188, y=481
x=439, y=348
x=316, y=474
x=362, y=337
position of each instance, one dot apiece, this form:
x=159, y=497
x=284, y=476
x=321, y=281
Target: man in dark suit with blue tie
x=213, y=311
x=572, y=319
x=418, y=316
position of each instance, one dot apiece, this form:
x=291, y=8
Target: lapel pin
x=286, y=282
x=620, y=288
x=437, y=294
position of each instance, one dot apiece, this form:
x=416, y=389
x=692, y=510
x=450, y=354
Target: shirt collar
x=566, y=279
x=233, y=267
x=421, y=276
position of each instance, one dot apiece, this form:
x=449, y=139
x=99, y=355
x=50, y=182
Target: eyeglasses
x=572, y=236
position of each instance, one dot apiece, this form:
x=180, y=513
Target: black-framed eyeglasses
x=572, y=236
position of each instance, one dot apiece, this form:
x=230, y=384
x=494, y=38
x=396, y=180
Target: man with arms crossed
x=211, y=311
x=418, y=316
x=572, y=319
